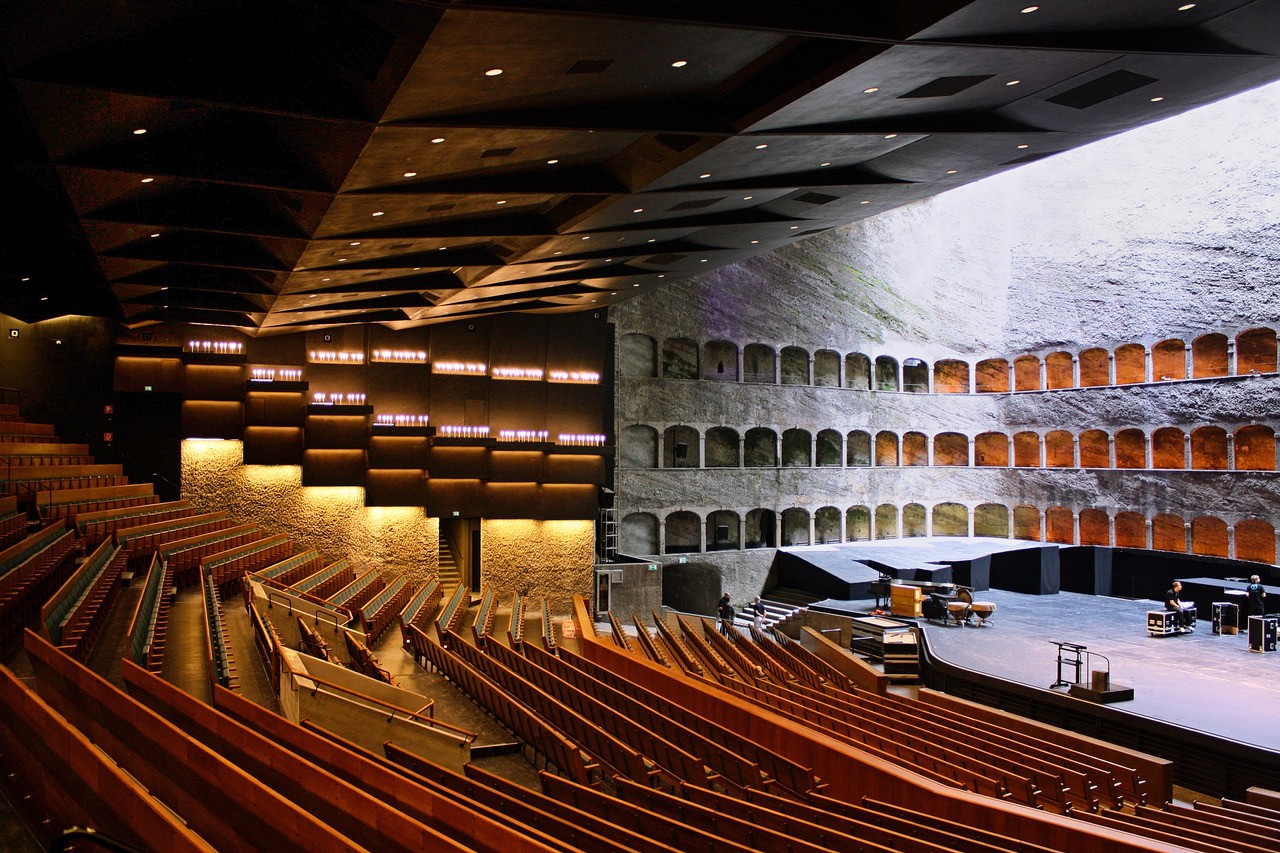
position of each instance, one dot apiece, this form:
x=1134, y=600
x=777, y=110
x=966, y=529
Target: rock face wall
x=551, y=558
x=1170, y=231
x=333, y=520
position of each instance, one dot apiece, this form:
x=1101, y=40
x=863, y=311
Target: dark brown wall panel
x=212, y=419
x=272, y=445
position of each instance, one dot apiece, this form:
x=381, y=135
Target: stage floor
x=1200, y=681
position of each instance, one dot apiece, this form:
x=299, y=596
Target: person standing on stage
x=1257, y=597
x=725, y=609
x=1181, y=612
x=757, y=610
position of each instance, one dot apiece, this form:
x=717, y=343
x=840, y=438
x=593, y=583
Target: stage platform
x=1202, y=681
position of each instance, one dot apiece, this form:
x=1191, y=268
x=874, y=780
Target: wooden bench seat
x=419, y=611
x=67, y=780
x=483, y=621
x=288, y=571
x=552, y=744
x=229, y=565
x=218, y=799
x=485, y=828
x=328, y=580
x=150, y=619
x=356, y=594
x=93, y=526
x=31, y=570
x=384, y=608
x=141, y=539
x=73, y=616
x=219, y=659
x=790, y=775
x=67, y=503
x=453, y=612
x=183, y=556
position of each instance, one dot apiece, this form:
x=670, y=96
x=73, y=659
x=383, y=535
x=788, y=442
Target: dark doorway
x=148, y=440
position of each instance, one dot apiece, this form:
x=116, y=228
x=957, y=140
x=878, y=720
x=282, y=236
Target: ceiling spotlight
x=377, y=213
x=411, y=174
x=635, y=285
x=753, y=242
x=312, y=296
x=864, y=201
x=437, y=140
x=326, y=279
x=157, y=234
x=1013, y=82
x=705, y=175
x=1029, y=9
x=494, y=72
x=147, y=180
x=662, y=275
x=679, y=63
x=46, y=299
x=340, y=260
x=653, y=239
x=1185, y=6
x=1157, y=99
x=794, y=227
x=356, y=243
x=26, y=278
x=504, y=201
x=951, y=171
x=140, y=131
x=871, y=90
x=890, y=135
x=586, y=238
x=762, y=145
x=828, y=163
x=1024, y=145
x=557, y=253
x=638, y=210
x=747, y=197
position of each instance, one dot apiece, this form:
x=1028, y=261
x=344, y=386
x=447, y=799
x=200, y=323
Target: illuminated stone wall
x=551, y=558
x=333, y=520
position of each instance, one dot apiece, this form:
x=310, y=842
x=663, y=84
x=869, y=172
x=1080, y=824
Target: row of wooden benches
x=73, y=617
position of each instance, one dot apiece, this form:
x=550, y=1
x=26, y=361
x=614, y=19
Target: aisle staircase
x=449, y=573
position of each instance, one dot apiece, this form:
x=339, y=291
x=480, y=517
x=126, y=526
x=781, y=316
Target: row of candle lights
x=452, y=431
x=336, y=356
x=523, y=435
x=465, y=368
x=580, y=440
x=401, y=420
x=272, y=374
x=398, y=356
x=338, y=399
x=528, y=374
x=217, y=347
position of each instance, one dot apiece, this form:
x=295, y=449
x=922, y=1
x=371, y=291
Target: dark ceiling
x=278, y=165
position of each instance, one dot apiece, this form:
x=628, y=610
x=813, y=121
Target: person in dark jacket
x=1181, y=612
x=726, y=614
x=1257, y=596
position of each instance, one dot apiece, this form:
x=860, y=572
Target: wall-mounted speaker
x=681, y=450
x=722, y=533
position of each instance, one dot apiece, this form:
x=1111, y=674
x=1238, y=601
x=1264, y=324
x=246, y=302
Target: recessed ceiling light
x=140, y=131
x=794, y=227
x=653, y=239
x=411, y=174
x=437, y=140
x=493, y=72
x=951, y=171
x=680, y=63
x=635, y=285
x=703, y=261
x=326, y=279
x=46, y=299
x=356, y=243
x=557, y=253
x=552, y=162
x=662, y=275
x=1024, y=145
x=586, y=238
x=871, y=90
x=157, y=234
x=890, y=135
x=1029, y=9
x=377, y=213
x=828, y=163
x=1157, y=99
x=638, y=210
x=1013, y=82
x=26, y=278
x=340, y=260
x=504, y=201
x=747, y=197
x=147, y=180
x=312, y=296
x=762, y=145
x=864, y=201
x=705, y=175
x=1185, y=6
x=753, y=242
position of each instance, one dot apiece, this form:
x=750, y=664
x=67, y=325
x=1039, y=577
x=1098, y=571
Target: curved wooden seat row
x=328, y=580
x=420, y=612
x=219, y=659
x=697, y=753
x=29, y=428
x=67, y=503
x=74, y=615
x=147, y=628
x=31, y=570
x=93, y=526
x=354, y=595
x=553, y=745
x=142, y=539
x=384, y=608
x=483, y=621
x=854, y=772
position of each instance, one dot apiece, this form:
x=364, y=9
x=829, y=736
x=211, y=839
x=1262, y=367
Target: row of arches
x=1248, y=448
x=1252, y=351
x=684, y=531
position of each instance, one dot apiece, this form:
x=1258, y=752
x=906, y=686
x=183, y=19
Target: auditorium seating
x=419, y=612
x=383, y=609
x=31, y=570
x=290, y=570
x=483, y=622
x=327, y=581
x=72, y=618
x=219, y=660
x=183, y=556
x=356, y=594
x=94, y=526
x=151, y=617
x=67, y=503
x=139, y=540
